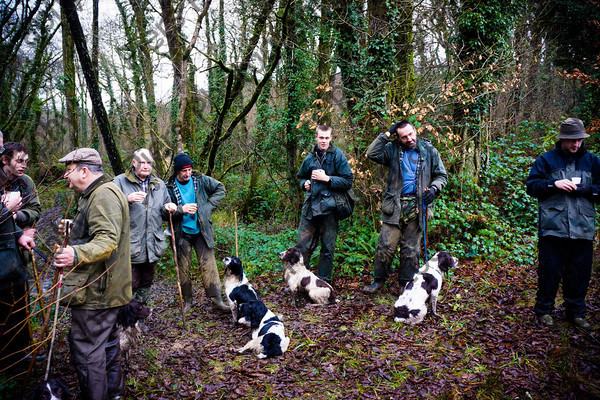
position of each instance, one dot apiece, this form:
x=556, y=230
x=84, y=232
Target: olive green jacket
x=430, y=172
x=100, y=238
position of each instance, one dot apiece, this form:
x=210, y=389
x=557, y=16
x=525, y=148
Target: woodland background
x=241, y=84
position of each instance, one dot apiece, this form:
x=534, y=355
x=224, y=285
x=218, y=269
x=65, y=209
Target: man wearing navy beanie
x=196, y=196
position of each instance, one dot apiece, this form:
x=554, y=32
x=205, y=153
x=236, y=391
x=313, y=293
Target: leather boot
x=218, y=305
x=374, y=287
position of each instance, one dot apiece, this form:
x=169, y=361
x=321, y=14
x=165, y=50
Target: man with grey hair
x=566, y=183
x=149, y=204
x=97, y=274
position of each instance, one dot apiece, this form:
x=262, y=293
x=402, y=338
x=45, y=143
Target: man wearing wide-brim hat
x=97, y=267
x=566, y=182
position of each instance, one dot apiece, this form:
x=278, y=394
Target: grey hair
x=97, y=169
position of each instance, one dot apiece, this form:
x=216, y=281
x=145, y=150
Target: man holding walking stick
x=149, y=205
x=196, y=195
x=97, y=279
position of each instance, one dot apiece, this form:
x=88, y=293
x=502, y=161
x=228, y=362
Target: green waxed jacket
x=100, y=238
x=147, y=237
x=209, y=194
x=430, y=172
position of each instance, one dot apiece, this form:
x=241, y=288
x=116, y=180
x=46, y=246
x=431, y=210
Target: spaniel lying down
x=411, y=306
x=302, y=281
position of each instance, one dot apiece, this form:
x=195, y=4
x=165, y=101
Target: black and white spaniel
x=268, y=333
x=301, y=281
x=128, y=324
x=237, y=287
x=411, y=306
x=52, y=389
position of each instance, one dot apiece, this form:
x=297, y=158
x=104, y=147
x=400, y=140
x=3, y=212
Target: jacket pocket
x=388, y=204
x=74, y=289
x=327, y=201
x=160, y=244
x=552, y=218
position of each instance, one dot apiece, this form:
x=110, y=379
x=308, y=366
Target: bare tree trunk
x=179, y=53
x=70, y=12
x=237, y=77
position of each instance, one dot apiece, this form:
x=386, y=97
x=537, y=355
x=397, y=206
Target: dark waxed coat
x=319, y=199
x=209, y=194
x=563, y=214
x=31, y=207
x=12, y=265
x=430, y=172
x=147, y=237
x=100, y=238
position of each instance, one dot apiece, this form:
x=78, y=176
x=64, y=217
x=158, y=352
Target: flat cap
x=572, y=128
x=84, y=155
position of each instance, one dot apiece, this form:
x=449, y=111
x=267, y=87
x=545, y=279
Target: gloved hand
x=393, y=129
x=585, y=191
x=429, y=195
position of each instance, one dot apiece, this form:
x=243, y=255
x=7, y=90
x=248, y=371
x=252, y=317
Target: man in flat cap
x=196, y=196
x=149, y=205
x=97, y=269
x=566, y=182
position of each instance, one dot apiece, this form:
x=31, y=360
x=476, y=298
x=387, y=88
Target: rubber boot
x=218, y=305
x=212, y=286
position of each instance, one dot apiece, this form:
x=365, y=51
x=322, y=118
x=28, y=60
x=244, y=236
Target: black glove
x=585, y=191
x=429, y=195
x=394, y=129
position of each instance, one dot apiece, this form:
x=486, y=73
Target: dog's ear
x=65, y=391
x=295, y=255
x=236, y=261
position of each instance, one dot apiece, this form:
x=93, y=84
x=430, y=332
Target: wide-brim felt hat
x=572, y=128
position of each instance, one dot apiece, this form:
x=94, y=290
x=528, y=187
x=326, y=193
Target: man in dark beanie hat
x=196, y=196
x=566, y=182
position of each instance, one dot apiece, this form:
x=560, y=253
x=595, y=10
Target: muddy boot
x=218, y=305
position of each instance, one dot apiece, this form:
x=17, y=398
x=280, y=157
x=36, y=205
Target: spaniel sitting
x=237, y=287
x=268, y=333
x=128, y=324
x=302, y=281
x=411, y=306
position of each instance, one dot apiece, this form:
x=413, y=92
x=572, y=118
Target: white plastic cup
x=576, y=180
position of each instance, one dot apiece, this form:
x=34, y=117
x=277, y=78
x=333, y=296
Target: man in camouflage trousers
x=97, y=261
x=416, y=176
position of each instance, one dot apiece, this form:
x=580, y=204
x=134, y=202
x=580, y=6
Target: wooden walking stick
x=236, y=237
x=59, y=270
x=177, y=269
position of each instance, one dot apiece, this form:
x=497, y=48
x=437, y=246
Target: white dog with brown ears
x=411, y=306
x=302, y=281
